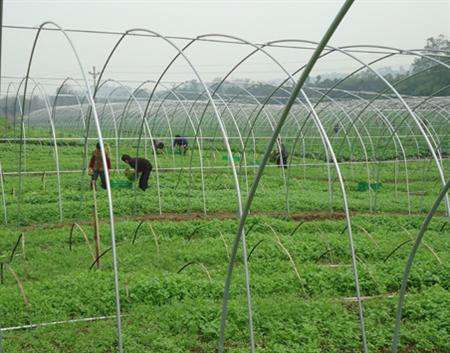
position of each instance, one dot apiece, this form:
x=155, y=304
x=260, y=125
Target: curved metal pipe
x=409, y=263
x=89, y=96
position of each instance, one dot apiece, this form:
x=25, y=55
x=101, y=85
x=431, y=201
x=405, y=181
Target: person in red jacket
x=96, y=166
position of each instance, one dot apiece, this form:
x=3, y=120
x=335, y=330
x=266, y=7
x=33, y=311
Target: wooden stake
x=96, y=225
x=43, y=179
x=156, y=239
x=19, y=285
x=127, y=292
x=23, y=246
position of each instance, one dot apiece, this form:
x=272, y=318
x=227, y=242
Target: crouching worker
x=96, y=166
x=159, y=146
x=141, y=166
x=281, y=155
x=181, y=143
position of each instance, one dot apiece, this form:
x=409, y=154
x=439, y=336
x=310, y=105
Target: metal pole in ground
x=1, y=35
x=245, y=211
x=2, y=190
x=409, y=263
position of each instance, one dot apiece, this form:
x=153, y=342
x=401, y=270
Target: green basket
x=375, y=186
x=235, y=158
x=364, y=186
x=121, y=184
x=130, y=174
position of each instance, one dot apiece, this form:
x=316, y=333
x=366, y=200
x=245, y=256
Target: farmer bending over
x=281, y=156
x=159, y=146
x=96, y=166
x=141, y=166
x=180, y=143
x=336, y=129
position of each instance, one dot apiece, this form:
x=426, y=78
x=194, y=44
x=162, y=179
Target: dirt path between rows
x=181, y=217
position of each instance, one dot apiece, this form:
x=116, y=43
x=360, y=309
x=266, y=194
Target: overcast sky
x=402, y=23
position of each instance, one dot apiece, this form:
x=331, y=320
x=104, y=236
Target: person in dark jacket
x=281, y=155
x=336, y=129
x=181, y=143
x=141, y=166
x=159, y=146
x=96, y=166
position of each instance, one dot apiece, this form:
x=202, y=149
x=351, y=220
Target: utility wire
x=224, y=41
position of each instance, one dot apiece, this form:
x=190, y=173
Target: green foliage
x=166, y=311
x=424, y=78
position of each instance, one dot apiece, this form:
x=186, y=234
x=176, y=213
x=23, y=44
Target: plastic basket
x=364, y=186
x=375, y=186
x=235, y=158
x=121, y=184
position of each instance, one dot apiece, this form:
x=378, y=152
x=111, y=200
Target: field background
x=173, y=248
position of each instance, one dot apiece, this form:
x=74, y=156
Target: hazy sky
x=405, y=24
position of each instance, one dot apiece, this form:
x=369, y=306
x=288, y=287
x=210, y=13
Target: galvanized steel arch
x=230, y=155
x=99, y=132
x=403, y=102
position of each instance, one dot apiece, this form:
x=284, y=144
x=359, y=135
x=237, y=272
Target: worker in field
x=336, y=129
x=181, y=144
x=280, y=155
x=158, y=146
x=141, y=166
x=96, y=166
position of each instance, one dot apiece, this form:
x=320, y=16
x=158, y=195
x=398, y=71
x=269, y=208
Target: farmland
x=174, y=243
x=178, y=312
x=283, y=195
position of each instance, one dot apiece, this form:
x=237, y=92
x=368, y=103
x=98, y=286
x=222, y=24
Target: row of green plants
x=171, y=285
x=181, y=190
